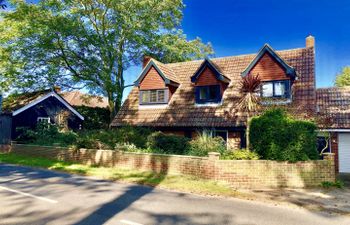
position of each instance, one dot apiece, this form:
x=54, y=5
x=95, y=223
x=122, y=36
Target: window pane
x=213, y=92
x=267, y=90
x=153, y=97
x=280, y=89
x=202, y=93
x=145, y=96
x=161, y=96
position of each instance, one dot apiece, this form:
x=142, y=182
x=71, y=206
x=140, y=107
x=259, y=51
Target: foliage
x=95, y=118
x=107, y=139
x=276, y=136
x=343, y=79
x=240, y=154
x=89, y=43
x=167, y=143
x=205, y=143
x=46, y=134
x=2, y=4
x=336, y=184
x=249, y=100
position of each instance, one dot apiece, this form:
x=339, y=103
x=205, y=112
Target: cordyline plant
x=2, y=4
x=250, y=98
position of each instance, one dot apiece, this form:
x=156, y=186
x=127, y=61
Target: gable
x=274, y=58
x=269, y=69
x=152, y=80
x=45, y=97
x=207, y=77
x=207, y=64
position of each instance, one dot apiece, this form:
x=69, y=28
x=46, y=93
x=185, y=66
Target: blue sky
x=242, y=26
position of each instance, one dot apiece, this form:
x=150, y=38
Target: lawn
x=174, y=182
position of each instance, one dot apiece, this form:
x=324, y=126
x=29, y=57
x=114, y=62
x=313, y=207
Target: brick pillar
x=331, y=158
x=214, y=156
x=334, y=149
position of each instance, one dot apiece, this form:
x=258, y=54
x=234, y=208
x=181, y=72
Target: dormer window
x=148, y=97
x=275, y=89
x=208, y=94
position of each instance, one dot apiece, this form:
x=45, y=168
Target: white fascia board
x=51, y=94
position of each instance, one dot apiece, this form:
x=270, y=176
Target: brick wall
x=152, y=80
x=239, y=174
x=269, y=69
x=334, y=150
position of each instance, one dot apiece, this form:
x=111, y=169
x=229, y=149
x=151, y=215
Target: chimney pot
x=145, y=60
x=310, y=41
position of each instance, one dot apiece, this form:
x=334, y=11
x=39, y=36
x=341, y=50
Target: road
x=35, y=196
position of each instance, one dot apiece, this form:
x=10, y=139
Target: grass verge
x=174, y=182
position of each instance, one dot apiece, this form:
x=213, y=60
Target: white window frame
x=42, y=119
x=166, y=97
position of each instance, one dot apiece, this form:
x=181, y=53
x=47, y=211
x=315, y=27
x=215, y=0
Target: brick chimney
x=145, y=60
x=310, y=41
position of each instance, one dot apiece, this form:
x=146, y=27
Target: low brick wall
x=238, y=173
x=5, y=148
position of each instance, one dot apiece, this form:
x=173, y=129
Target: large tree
x=89, y=43
x=343, y=79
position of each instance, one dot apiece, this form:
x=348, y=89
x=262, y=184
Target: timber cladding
x=237, y=173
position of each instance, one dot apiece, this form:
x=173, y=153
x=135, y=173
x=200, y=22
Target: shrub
x=168, y=144
x=336, y=184
x=205, y=143
x=276, y=136
x=133, y=135
x=241, y=154
x=46, y=134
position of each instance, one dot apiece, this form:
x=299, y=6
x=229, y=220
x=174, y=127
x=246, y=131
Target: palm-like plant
x=250, y=98
x=2, y=4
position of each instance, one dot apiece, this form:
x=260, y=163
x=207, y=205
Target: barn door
x=5, y=129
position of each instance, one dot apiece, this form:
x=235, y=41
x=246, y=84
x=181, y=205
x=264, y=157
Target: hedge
x=277, y=136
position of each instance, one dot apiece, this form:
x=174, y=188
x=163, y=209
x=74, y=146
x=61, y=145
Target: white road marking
x=128, y=222
x=29, y=195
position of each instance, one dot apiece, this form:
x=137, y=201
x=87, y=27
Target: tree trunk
x=247, y=132
x=111, y=106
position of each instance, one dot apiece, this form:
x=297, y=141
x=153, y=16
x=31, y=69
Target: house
x=186, y=97
x=183, y=98
x=333, y=105
x=50, y=106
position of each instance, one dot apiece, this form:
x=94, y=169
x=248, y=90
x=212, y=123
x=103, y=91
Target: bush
x=46, y=134
x=167, y=143
x=108, y=139
x=336, y=184
x=241, y=154
x=276, y=136
x=205, y=143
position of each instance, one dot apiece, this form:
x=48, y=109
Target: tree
x=249, y=100
x=343, y=79
x=90, y=43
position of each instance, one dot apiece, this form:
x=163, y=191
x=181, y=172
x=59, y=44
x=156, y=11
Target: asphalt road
x=34, y=196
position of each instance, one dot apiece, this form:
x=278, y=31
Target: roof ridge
x=233, y=56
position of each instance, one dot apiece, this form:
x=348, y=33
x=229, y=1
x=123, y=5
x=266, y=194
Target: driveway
x=35, y=196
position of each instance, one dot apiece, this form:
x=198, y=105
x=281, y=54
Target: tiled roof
x=334, y=103
x=17, y=101
x=76, y=98
x=167, y=71
x=182, y=111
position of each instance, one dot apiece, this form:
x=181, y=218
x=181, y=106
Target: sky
x=237, y=27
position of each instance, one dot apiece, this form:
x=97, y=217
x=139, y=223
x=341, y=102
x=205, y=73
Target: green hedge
x=168, y=143
x=277, y=136
x=95, y=118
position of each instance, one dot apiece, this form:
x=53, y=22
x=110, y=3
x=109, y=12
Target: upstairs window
x=159, y=96
x=275, y=89
x=208, y=94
